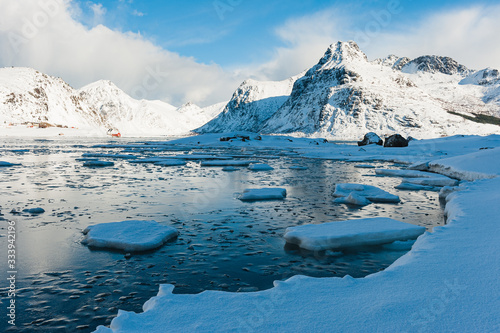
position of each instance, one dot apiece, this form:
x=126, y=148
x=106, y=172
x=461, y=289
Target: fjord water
x=223, y=243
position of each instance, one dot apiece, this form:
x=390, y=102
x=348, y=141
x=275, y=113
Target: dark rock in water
x=34, y=211
x=371, y=138
x=396, y=140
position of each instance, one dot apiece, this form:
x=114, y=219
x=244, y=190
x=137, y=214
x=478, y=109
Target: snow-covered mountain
x=345, y=95
x=253, y=103
x=28, y=96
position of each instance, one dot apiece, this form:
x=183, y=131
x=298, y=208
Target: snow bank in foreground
x=478, y=165
x=130, y=236
x=334, y=235
x=263, y=194
x=447, y=283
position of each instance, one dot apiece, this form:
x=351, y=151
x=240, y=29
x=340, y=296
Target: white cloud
x=98, y=12
x=469, y=35
x=46, y=37
x=135, y=12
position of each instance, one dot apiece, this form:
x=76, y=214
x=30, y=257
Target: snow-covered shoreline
x=447, y=282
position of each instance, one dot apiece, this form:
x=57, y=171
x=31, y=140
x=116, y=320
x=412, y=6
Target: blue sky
x=200, y=51
x=231, y=32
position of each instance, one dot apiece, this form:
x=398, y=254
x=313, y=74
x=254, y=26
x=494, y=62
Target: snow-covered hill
x=345, y=95
x=28, y=96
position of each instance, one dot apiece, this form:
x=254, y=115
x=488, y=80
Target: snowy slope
x=27, y=95
x=251, y=105
x=135, y=117
x=345, y=95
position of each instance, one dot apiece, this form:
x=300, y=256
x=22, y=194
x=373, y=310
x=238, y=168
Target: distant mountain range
x=28, y=96
x=343, y=97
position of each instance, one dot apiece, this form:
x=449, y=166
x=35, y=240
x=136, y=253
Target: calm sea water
x=223, y=243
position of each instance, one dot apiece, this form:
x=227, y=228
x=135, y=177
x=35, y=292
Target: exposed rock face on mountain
x=252, y=104
x=435, y=64
x=345, y=96
x=28, y=96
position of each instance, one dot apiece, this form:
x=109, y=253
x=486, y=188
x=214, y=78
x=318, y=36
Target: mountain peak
x=342, y=51
x=435, y=64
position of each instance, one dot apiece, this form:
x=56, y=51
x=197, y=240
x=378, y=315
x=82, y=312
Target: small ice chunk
x=260, y=167
x=263, y=194
x=353, y=199
x=372, y=193
x=34, y=211
x=298, y=167
x=102, y=155
x=98, y=164
x=130, y=236
x=225, y=163
x=171, y=162
x=196, y=157
x=6, y=164
x=364, y=166
x=368, y=231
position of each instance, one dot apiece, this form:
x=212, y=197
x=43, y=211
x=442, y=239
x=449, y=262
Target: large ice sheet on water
x=263, y=194
x=372, y=193
x=368, y=231
x=130, y=235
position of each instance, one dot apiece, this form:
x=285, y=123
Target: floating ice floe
x=130, y=236
x=7, y=164
x=260, y=167
x=98, y=164
x=194, y=157
x=225, y=163
x=431, y=181
x=351, y=233
x=408, y=173
x=171, y=162
x=372, y=193
x=263, y=194
x=101, y=155
x=364, y=166
x=417, y=180
x=34, y=211
x=353, y=199
x=152, y=159
x=298, y=167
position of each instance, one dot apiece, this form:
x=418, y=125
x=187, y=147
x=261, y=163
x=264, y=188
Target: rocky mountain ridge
x=345, y=96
